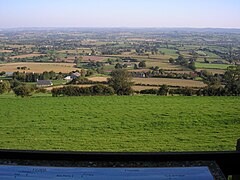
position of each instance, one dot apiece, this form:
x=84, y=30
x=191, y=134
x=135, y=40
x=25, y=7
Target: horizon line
x=119, y=27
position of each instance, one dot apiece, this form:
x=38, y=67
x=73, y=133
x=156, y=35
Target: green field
x=211, y=66
x=168, y=51
x=135, y=123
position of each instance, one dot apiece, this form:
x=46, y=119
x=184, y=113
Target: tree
x=232, y=80
x=2, y=73
x=192, y=66
x=78, y=61
x=15, y=83
x=93, y=52
x=205, y=60
x=171, y=60
x=142, y=64
x=23, y=91
x=2, y=58
x=163, y=90
x=4, y=87
x=121, y=82
x=135, y=66
x=102, y=90
x=97, y=90
x=125, y=65
x=118, y=66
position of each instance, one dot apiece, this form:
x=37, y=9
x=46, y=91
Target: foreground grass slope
x=138, y=123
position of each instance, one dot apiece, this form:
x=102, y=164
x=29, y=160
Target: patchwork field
x=158, y=81
x=135, y=123
x=214, y=71
x=38, y=67
x=211, y=66
x=5, y=51
x=162, y=64
x=71, y=59
x=27, y=56
x=169, y=81
x=139, y=88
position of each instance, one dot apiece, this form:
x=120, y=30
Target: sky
x=120, y=13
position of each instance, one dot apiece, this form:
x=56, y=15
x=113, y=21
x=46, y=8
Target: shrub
x=23, y=91
x=149, y=91
x=4, y=87
x=97, y=90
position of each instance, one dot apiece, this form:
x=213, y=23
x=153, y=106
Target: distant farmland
x=212, y=66
x=38, y=67
x=27, y=56
x=158, y=82
x=169, y=81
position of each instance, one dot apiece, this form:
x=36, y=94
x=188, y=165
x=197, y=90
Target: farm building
x=9, y=74
x=44, y=83
x=75, y=75
x=68, y=78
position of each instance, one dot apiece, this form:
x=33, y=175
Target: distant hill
x=124, y=29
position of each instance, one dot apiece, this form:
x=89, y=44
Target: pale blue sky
x=120, y=13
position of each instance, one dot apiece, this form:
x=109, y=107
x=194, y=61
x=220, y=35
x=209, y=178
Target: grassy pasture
x=137, y=123
x=38, y=67
x=168, y=51
x=211, y=55
x=211, y=66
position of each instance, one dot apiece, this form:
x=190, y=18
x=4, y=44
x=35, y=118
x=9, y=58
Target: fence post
x=237, y=177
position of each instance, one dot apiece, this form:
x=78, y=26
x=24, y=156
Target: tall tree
x=232, y=80
x=142, y=64
x=121, y=82
x=163, y=90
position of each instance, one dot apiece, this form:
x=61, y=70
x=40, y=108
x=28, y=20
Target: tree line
x=96, y=90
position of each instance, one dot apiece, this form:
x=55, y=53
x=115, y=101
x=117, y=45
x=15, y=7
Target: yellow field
x=5, y=51
x=39, y=67
x=139, y=70
x=82, y=85
x=139, y=88
x=157, y=81
x=162, y=64
x=19, y=46
x=98, y=79
x=168, y=81
x=27, y=55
